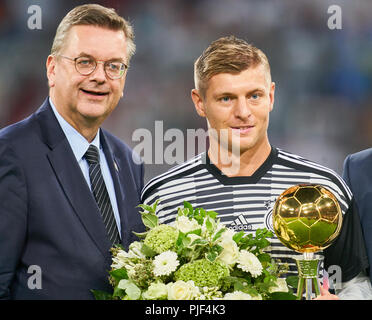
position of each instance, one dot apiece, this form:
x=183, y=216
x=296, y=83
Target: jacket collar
x=71, y=179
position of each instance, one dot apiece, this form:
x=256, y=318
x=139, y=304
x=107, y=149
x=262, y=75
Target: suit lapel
x=71, y=178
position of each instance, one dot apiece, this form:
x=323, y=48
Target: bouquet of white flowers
x=197, y=258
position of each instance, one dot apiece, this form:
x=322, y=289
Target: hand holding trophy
x=307, y=218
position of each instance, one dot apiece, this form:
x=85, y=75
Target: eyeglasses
x=86, y=65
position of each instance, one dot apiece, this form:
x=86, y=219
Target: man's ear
x=272, y=95
x=198, y=102
x=50, y=66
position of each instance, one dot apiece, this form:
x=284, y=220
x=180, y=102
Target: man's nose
x=99, y=73
x=242, y=109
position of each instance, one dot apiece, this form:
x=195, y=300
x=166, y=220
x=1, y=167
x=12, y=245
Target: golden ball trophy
x=307, y=218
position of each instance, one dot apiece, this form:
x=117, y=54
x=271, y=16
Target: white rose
x=181, y=290
x=257, y=297
x=281, y=286
x=184, y=224
x=227, y=234
x=155, y=291
x=237, y=295
x=230, y=252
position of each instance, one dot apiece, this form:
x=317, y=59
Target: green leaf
x=214, y=253
x=218, y=234
x=238, y=236
x=119, y=274
x=240, y=284
x=264, y=257
x=199, y=242
x=212, y=214
x=101, y=295
x=148, y=214
x=185, y=253
x=150, y=220
x=146, y=207
x=180, y=238
x=201, y=212
x=209, y=225
x=237, y=283
x=188, y=205
x=292, y=281
x=140, y=234
x=180, y=212
x=152, y=208
x=119, y=245
x=211, y=256
x=282, y=296
x=186, y=241
x=118, y=292
x=196, y=231
x=147, y=251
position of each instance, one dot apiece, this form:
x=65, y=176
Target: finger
x=327, y=297
x=323, y=291
x=325, y=282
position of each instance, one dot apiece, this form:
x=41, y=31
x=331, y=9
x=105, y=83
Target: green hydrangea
x=161, y=238
x=203, y=272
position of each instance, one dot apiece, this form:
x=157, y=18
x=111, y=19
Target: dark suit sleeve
x=141, y=178
x=345, y=173
x=349, y=250
x=13, y=216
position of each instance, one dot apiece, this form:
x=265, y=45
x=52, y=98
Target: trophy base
x=308, y=269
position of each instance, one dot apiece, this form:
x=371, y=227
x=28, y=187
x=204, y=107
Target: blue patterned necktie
x=101, y=195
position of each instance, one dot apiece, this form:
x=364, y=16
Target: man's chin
x=93, y=110
x=240, y=145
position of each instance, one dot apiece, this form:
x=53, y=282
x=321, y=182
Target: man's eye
x=114, y=66
x=85, y=62
x=255, y=96
x=225, y=99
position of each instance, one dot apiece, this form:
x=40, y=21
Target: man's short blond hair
x=226, y=55
x=95, y=15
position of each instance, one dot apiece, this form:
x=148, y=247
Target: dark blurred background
x=323, y=77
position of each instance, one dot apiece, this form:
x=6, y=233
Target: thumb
x=323, y=291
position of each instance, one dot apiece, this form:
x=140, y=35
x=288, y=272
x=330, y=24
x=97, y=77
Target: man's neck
x=243, y=164
x=88, y=129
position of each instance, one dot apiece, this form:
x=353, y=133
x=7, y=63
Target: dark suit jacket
x=48, y=215
x=358, y=175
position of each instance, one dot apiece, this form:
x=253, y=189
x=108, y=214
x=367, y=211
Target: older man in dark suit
x=69, y=189
x=358, y=175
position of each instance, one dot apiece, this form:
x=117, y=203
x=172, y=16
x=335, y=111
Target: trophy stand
x=308, y=269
